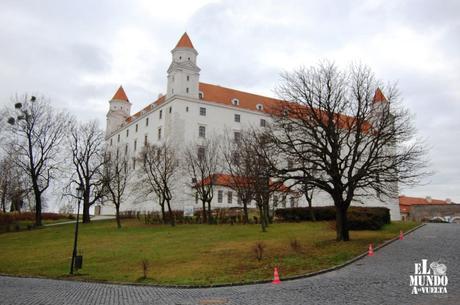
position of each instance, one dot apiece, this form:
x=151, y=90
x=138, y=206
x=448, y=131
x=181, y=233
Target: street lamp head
x=79, y=191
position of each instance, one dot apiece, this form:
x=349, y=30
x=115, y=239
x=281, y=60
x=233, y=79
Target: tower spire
x=379, y=97
x=185, y=42
x=120, y=95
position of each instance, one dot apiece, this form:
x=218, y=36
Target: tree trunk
x=205, y=214
x=163, y=215
x=341, y=223
x=312, y=213
x=262, y=218
x=38, y=207
x=171, y=216
x=245, y=212
x=86, y=205
x=117, y=208
x=4, y=202
x=209, y=213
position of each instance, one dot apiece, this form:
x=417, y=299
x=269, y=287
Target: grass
x=186, y=254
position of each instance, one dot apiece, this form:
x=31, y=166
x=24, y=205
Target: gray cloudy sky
x=78, y=52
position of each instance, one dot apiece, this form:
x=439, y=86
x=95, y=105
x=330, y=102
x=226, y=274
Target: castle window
x=126, y=149
x=200, y=95
x=161, y=114
x=134, y=163
x=180, y=57
x=137, y=127
x=170, y=109
x=260, y=107
x=237, y=136
x=111, y=141
x=220, y=196
x=202, y=111
x=200, y=153
x=127, y=132
x=263, y=123
x=146, y=121
x=186, y=90
x=202, y=132
x=145, y=140
x=186, y=109
x=118, y=138
x=135, y=145
x=237, y=118
x=292, y=202
x=188, y=76
x=229, y=197
x=189, y=58
x=235, y=102
x=159, y=133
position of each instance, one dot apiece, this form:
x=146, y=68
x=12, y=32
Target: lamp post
x=74, y=253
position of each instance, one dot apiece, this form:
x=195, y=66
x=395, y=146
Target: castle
x=189, y=111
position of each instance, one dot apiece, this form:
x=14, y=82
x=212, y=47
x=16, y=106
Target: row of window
x=201, y=131
x=220, y=199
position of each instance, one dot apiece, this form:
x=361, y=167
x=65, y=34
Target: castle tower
x=183, y=73
x=380, y=105
x=120, y=109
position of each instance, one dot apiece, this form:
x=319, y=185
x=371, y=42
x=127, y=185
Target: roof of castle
x=379, y=97
x=120, y=95
x=184, y=42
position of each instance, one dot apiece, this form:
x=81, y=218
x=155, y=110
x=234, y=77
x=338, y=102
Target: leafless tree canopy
x=116, y=179
x=251, y=163
x=86, y=145
x=341, y=141
x=202, y=162
x=158, y=174
x=35, y=134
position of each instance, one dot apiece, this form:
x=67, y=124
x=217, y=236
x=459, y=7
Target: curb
x=296, y=277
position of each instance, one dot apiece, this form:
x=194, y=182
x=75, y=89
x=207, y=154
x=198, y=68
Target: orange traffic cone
x=401, y=235
x=371, y=251
x=276, y=277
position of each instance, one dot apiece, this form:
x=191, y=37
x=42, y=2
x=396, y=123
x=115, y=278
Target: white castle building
x=191, y=110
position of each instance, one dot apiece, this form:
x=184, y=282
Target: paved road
x=381, y=279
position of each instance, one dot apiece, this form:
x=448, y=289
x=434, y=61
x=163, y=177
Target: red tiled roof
x=185, y=42
x=379, y=97
x=120, y=95
x=406, y=202
x=230, y=181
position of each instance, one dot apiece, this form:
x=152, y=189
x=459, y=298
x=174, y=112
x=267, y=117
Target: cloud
x=79, y=52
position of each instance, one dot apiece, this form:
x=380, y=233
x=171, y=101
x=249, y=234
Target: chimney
x=448, y=201
x=428, y=199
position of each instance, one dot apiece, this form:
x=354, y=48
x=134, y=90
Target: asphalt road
x=381, y=279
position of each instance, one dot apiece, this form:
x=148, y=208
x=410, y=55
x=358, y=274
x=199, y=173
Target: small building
x=426, y=209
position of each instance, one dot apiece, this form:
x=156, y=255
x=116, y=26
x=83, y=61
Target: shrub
x=145, y=264
x=259, y=249
x=359, y=218
x=295, y=245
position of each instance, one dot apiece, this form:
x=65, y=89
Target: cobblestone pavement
x=381, y=279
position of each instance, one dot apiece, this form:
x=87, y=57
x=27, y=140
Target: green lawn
x=186, y=254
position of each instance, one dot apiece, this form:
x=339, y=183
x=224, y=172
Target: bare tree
x=202, y=162
x=350, y=143
x=251, y=164
x=115, y=182
x=86, y=144
x=36, y=132
x=158, y=174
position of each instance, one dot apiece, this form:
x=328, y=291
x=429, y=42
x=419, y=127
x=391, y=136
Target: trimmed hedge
x=359, y=218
